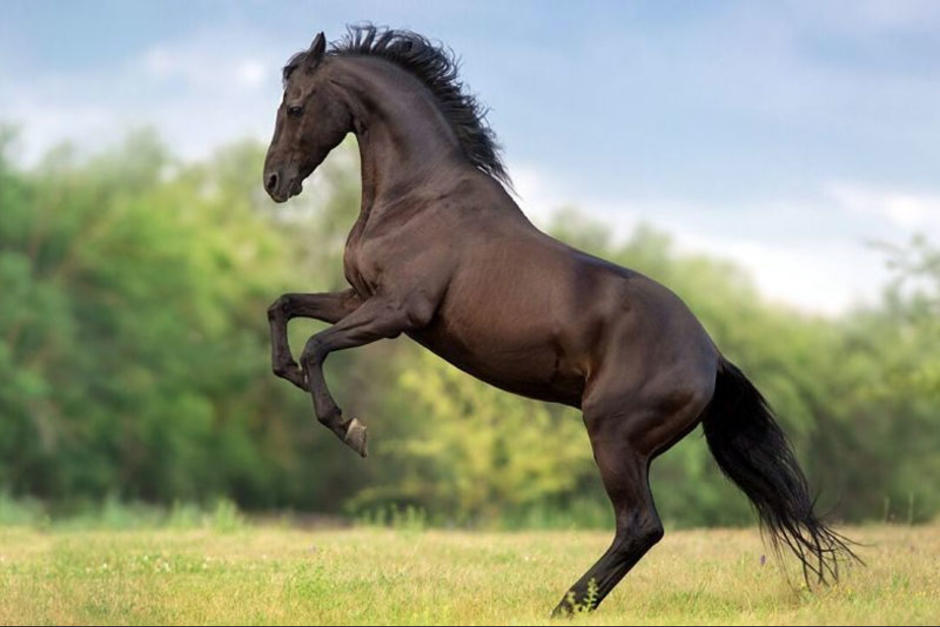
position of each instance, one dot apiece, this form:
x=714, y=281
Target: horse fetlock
x=332, y=418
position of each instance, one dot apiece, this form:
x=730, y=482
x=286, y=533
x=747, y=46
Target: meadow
x=229, y=572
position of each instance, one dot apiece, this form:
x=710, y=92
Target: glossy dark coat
x=442, y=253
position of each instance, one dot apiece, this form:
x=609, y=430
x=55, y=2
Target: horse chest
x=353, y=272
x=362, y=270
x=369, y=257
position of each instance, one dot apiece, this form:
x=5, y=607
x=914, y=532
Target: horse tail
x=753, y=452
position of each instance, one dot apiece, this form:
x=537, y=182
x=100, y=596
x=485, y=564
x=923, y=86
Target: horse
x=440, y=252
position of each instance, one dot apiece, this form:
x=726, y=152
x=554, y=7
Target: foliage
x=134, y=364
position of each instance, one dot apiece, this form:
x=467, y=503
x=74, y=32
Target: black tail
x=754, y=453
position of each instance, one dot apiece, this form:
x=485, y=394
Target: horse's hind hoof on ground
x=562, y=610
x=356, y=437
x=568, y=607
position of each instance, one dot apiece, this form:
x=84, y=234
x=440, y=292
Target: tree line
x=134, y=363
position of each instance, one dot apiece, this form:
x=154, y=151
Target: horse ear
x=317, y=50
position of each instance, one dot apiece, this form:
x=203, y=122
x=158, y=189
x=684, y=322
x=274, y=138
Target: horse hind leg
x=625, y=441
x=638, y=528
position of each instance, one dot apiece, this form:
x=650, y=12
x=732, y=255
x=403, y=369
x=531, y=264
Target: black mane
x=436, y=66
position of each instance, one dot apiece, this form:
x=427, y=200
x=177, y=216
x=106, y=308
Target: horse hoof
x=563, y=610
x=356, y=436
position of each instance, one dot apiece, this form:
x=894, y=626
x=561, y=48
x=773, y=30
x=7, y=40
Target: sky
x=785, y=136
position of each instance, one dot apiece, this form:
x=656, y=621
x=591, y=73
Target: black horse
x=441, y=253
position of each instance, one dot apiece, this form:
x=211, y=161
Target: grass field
x=272, y=574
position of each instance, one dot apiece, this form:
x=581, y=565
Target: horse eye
x=295, y=111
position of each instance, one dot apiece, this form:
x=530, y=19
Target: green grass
x=242, y=574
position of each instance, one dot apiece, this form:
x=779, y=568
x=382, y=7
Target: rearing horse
x=441, y=253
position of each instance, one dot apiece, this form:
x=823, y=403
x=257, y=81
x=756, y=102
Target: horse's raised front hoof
x=356, y=436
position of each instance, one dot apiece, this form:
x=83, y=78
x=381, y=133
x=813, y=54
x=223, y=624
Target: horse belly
x=513, y=354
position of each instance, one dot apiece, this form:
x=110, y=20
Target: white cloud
x=204, y=63
x=904, y=209
x=537, y=196
x=197, y=92
x=825, y=278
x=251, y=73
x=159, y=62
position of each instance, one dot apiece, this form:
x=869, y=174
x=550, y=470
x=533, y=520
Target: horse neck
x=404, y=139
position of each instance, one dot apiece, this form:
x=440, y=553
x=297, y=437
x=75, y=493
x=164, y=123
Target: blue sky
x=782, y=135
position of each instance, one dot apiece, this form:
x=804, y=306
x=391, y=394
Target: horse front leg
x=377, y=318
x=327, y=306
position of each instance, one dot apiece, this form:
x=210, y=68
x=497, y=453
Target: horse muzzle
x=281, y=184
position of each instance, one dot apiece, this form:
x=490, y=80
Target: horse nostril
x=271, y=182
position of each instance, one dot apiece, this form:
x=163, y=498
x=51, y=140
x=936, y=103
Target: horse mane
x=436, y=66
